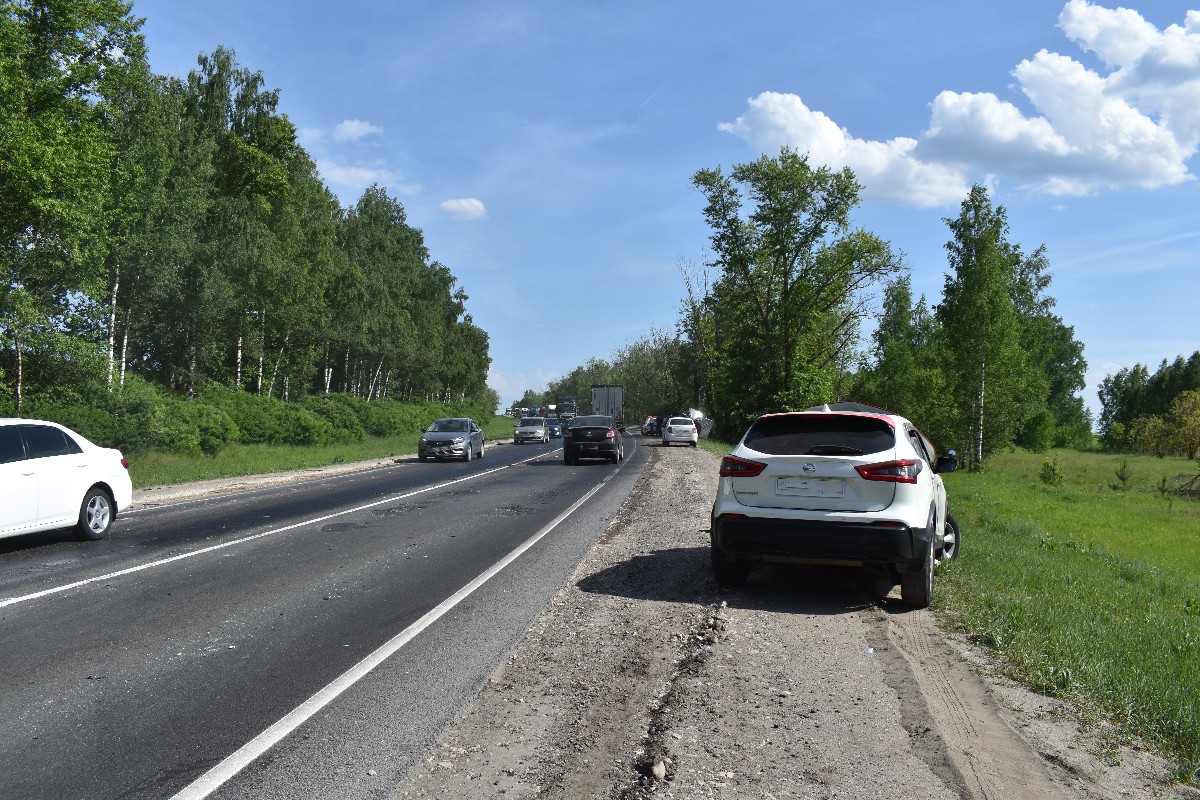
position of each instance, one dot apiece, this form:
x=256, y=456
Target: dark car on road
x=555, y=426
x=593, y=436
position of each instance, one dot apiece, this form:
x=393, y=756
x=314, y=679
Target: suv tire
x=728, y=572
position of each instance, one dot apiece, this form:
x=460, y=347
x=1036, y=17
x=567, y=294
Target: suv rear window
x=820, y=434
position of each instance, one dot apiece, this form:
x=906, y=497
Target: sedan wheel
x=95, y=515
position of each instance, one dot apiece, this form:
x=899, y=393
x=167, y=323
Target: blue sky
x=547, y=145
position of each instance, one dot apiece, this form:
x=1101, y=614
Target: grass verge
x=155, y=469
x=1086, y=592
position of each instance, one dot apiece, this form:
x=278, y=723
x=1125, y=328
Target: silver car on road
x=452, y=437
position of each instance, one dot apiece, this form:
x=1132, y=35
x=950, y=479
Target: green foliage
x=347, y=427
x=1151, y=434
x=214, y=428
x=781, y=317
x=258, y=419
x=1038, y=432
x=1123, y=476
x=1051, y=472
x=1133, y=393
x=175, y=229
x=303, y=427
x=986, y=367
x=1185, y=422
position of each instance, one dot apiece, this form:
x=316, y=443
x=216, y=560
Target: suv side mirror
x=946, y=463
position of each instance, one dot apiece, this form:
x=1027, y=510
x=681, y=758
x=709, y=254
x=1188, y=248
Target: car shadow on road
x=683, y=575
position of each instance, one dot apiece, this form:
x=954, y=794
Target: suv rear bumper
x=819, y=542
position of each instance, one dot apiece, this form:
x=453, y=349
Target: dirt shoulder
x=644, y=678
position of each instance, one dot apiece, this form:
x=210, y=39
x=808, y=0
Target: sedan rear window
x=820, y=434
x=44, y=441
x=592, y=422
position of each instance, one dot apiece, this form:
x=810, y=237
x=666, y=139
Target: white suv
x=843, y=484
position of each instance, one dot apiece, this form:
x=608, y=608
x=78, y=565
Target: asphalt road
x=304, y=641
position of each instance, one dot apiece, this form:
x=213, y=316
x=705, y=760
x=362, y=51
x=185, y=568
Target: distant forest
x=171, y=235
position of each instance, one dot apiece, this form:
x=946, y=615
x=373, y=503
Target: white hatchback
x=52, y=477
x=843, y=484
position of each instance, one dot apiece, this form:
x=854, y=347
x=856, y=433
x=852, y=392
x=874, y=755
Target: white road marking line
x=192, y=554
x=210, y=781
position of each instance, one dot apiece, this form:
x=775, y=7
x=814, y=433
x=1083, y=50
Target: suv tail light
x=734, y=467
x=610, y=434
x=905, y=471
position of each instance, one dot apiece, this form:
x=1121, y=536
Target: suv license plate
x=810, y=487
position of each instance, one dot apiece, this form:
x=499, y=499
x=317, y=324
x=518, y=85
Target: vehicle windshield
x=448, y=426
x=592, y=422
x=680, y=421
x=535, y=422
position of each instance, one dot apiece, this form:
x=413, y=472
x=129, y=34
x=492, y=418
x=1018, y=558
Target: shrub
x=301, y=426
x=1051, y=472
x=345, y=424
x=257, y=417
x=215, y=428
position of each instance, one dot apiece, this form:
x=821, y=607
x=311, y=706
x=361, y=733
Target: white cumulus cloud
x=887, y=170
x=1136, y=125
x=465, y=208
x=349, y=181
x=351, y=130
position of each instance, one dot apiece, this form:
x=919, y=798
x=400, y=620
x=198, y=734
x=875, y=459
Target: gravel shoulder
x=643, y=678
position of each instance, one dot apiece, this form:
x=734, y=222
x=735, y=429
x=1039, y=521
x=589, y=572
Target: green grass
x=1086, y=592
x=155, y=469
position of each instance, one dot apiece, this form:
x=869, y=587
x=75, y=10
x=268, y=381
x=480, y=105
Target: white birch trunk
x=112, y=326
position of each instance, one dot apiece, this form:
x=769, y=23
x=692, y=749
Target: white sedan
x=52, y=477
x=680, y=429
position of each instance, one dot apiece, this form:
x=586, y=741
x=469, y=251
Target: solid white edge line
x=210, y=781
x=193, y=553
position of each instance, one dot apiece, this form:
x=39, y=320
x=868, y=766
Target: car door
x=62, y=473
x=925, y=452
x=18, y=484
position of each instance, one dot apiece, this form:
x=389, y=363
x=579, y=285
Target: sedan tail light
x=610, y=434
x=125, y=463
x=905, y=471
x=734, y=467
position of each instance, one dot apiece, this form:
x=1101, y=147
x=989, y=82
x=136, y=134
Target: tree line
x=174, y=231
x=1155, y=413
x=773, y=321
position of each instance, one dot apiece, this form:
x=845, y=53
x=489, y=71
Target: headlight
x=458, y=440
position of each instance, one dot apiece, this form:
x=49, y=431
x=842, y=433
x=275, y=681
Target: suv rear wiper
x=824, y=449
